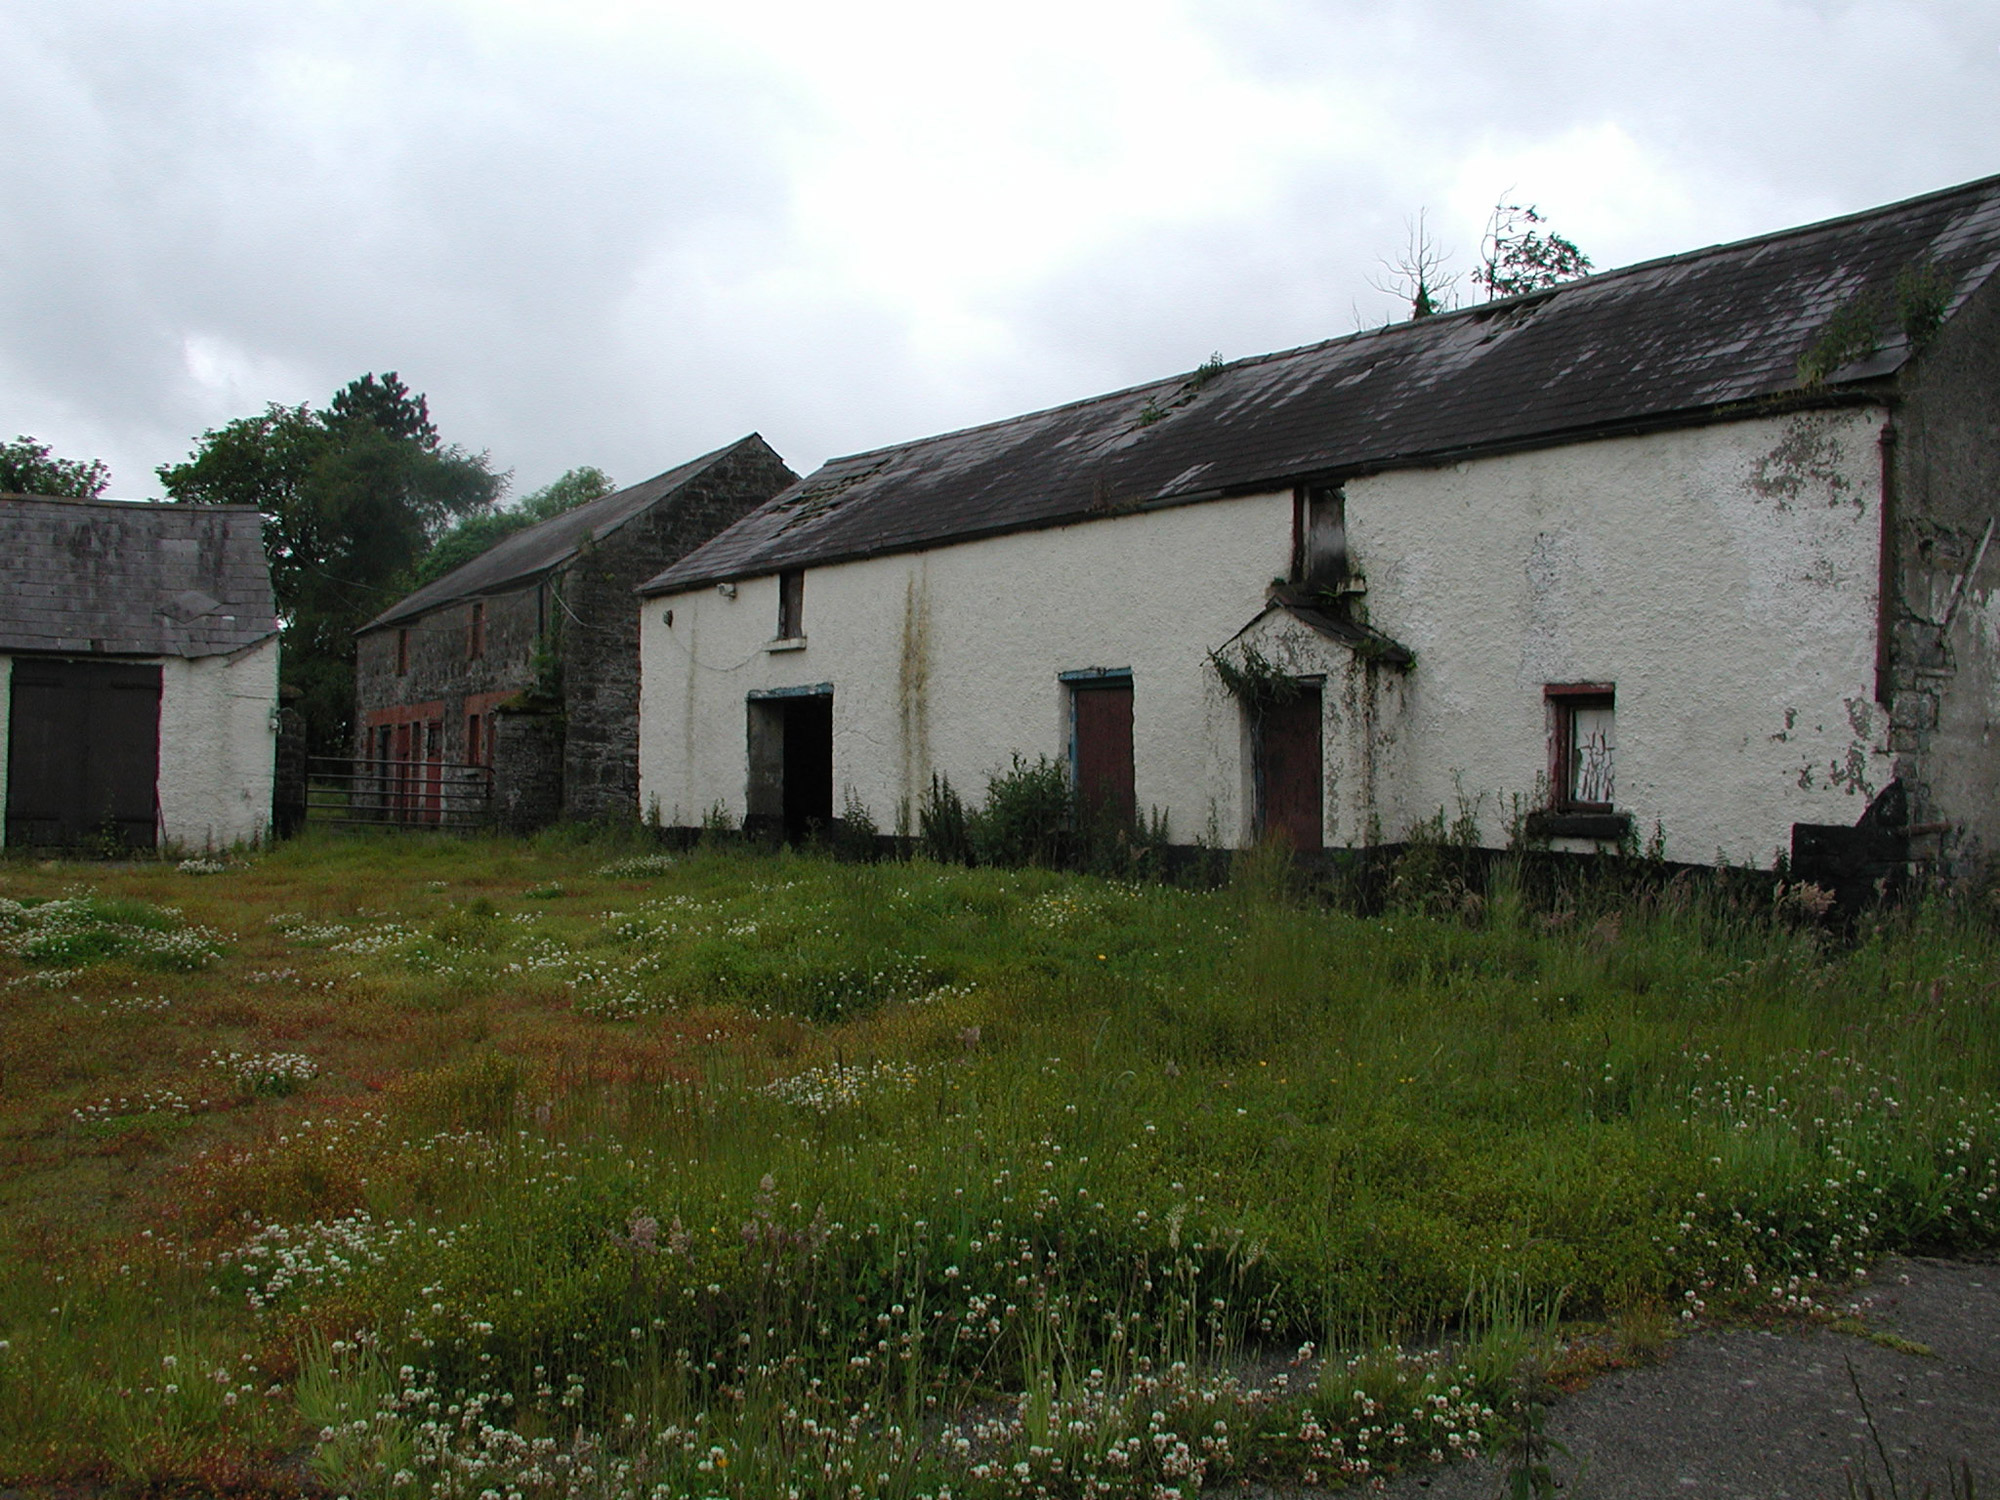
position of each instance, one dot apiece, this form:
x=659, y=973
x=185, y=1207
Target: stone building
x=522, y=665
x=1693, y=553
x=138, y=674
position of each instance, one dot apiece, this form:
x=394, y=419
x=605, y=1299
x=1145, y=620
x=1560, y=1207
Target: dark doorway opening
x=83, y=754
x=1101, y=742
x=791, y=764
x=808, y=766
x=1289, y=772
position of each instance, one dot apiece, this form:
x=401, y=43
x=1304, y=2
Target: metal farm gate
x=435, y=795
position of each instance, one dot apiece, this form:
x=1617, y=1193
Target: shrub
x=854, y=835
x=1026, y=818
x=944, y=828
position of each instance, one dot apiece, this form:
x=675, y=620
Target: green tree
x=1518, y=255
x=579, y=486
x=28, y=468
x=352, y=496
x=473, y=534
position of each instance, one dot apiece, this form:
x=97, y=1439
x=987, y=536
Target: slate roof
x=527, y=555
x=1362, y=640
x=1666, y=341
x=126, y=578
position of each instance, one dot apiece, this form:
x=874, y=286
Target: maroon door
x=1104, y=787
x=1289, y=780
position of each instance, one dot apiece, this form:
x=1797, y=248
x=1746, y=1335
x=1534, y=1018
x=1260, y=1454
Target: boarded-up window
x=1319, y=535
x=475, y=633
x=1101, y=711
x=83, y=753
x=402, y=652
x=1290, y=773
x=791, y=605
x=1583, y=746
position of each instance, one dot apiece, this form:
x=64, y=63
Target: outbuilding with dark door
x=138, y=674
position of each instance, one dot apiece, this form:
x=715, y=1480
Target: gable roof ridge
x=1399, y=325
x=112, y=503
x=594, y=520
x=1671, y=340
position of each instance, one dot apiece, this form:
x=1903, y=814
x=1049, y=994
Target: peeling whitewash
x=218, y=745
x=1722, y=577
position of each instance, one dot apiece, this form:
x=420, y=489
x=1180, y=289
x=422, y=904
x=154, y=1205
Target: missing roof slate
x=1668, y=341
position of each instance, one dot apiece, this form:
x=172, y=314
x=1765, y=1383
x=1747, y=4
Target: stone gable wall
x=527, y=770
x=600, y=641
x=1943, y=667
x=591, y=612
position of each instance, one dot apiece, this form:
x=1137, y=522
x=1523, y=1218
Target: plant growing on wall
x=1254, y=680
x=1851, y=333
x=1923, y=291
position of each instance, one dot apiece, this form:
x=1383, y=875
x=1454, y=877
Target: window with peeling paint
x=1583, y=746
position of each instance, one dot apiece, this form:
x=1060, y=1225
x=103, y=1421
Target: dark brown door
x=1289, y=773
x=1104, y=788
x=83, y=753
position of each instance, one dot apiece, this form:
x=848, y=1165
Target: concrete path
x=1748, y=1415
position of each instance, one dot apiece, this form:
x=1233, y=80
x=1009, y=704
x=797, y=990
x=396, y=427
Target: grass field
x=439, y=1167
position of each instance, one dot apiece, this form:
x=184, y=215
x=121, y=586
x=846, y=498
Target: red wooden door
x=1290, y=779
x=1104, y=783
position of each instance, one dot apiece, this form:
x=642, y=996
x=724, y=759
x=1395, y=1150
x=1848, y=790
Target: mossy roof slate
x=127, y=578
x=520, y=559
x=1668, y=341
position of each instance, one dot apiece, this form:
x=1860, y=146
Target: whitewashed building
x=1694, y=551
x=138, y=674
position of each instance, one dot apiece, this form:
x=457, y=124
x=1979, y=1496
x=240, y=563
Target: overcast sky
x=626, y=233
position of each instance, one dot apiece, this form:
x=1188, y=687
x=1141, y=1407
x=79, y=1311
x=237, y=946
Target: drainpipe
x=1886, y=573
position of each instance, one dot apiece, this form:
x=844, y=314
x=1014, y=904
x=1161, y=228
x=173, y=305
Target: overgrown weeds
x=738, y=1174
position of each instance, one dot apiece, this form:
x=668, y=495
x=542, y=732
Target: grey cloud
x=467, y=215
x=585, y=254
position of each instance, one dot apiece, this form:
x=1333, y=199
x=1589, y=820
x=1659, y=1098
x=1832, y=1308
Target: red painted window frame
x=1564, y=699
